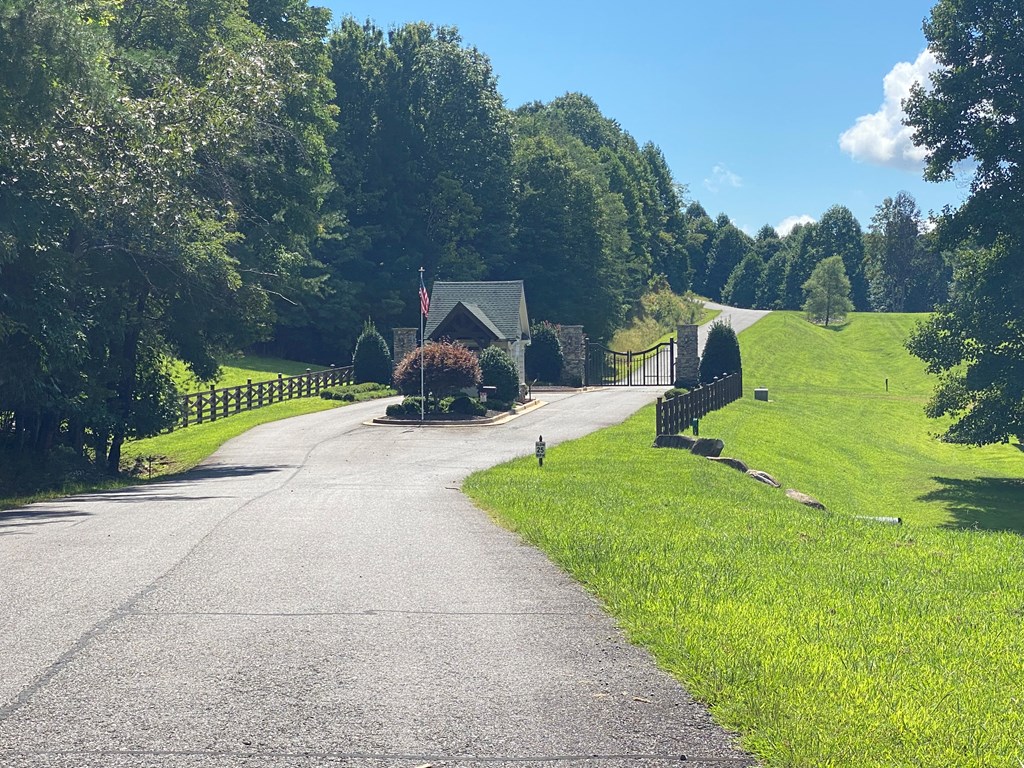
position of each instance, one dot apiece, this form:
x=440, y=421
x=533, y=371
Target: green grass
x=238, y=369
x=644, y=332
x=824, y=639
x=833, y=431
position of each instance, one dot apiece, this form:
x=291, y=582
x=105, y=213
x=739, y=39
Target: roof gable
x=499, y=305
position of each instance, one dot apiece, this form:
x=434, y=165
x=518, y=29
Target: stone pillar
x=687, y=361
x=574, y=354
x=404, y=341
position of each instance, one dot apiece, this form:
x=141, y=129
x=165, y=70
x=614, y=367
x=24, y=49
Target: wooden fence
x=213, y=404
x=674, y=415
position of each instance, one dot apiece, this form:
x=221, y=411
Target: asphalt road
x=320, y=593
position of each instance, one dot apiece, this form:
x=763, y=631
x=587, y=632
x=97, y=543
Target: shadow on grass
x=983, y=503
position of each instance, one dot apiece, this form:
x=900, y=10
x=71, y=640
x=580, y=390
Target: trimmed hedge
x=721, y=353
x=447, y=367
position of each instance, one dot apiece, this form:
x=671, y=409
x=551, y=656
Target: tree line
x=181, y=178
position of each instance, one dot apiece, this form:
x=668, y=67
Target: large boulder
x=708, y=446
x=729, y=462
x=674, y=441
x=804, y=499
x=764, y=477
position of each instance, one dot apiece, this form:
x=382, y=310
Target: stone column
x=404, y=341
x=687, y=361
x=574, y=354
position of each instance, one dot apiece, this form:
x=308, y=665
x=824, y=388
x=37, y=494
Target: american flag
x=424, y=297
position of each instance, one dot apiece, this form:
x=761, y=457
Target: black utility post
x=540, y=450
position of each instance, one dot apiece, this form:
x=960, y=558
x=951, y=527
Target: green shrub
x=544, y=355
x=448, y=368
x=445, y=403
x=721, y=353
x=467, y=406
x=395, y=411
x=675, y=392
x=412, y=404
x=351, y=392
x=498, y=370
x=498, y=405
x=371, y=361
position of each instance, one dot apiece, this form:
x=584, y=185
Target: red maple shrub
x=447, y=368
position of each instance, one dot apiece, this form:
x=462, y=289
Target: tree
x=906, y=272
x=447, y=369
x=973, y=113
x=801, y=258
x=966, y=343
x=721, y=353
x=730, y=247
x=828, y=292
x=741, y=289
x=544, y=355
x=838, y=233
x=371, y=360
x=498, y=370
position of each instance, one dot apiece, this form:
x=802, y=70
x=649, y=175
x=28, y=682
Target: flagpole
x=423, y=343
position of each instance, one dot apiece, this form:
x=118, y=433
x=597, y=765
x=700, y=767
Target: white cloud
x=881, y=138
x=722, y=177
x=785, y=226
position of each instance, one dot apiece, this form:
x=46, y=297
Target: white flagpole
x=423, y=343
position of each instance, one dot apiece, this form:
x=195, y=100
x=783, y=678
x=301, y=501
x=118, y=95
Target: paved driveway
x=320, y=593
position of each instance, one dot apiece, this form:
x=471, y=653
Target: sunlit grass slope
x=824, y=639
x=833, y=431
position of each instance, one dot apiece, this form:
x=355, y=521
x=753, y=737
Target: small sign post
x=540, y=447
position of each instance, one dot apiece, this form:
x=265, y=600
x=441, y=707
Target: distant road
x=320, y=593
x=739, y=319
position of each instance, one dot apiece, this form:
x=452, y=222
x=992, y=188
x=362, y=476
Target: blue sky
x=747, y=99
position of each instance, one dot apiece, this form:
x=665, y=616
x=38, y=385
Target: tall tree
x=828, y=292
x=838, y=233
x=974, y=112
x=906, y=273
x=730, y=247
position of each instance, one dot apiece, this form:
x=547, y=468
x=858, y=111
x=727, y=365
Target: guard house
x=481, y=314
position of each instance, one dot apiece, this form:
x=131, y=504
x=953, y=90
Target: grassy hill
x=824, y=639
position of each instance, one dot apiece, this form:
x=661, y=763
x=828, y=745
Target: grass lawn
x=236, y=370
x=823, y=639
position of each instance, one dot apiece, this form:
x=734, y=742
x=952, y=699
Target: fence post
x=213, y=402
x=184, y=411
x=658, y=418
x=280, y=387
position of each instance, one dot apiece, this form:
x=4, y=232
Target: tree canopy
x=974, y=112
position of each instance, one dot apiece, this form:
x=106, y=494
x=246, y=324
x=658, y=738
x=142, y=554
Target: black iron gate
x=654, y=367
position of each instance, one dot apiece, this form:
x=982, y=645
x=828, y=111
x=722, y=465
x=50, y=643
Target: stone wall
x=404, y=339
x=574, y=354
x=687, y=360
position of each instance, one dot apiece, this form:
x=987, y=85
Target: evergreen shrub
x=498, y=370
x=371, y=361
x=467, y=406
x=721, y=353
x=544, y=358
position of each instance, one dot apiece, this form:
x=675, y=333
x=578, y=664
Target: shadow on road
x=984, y=503
x=13, y=521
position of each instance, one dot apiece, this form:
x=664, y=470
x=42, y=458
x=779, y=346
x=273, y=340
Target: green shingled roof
x=502, y=302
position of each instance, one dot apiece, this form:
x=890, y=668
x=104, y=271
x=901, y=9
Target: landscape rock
x=804, y=499
x=708, y=446
x=729, y=462
x=764, y=477
x=674, y=441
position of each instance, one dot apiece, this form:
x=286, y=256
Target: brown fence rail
x=675, y=415
x=213, y=404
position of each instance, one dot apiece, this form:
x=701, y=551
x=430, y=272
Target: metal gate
x=654, y=367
